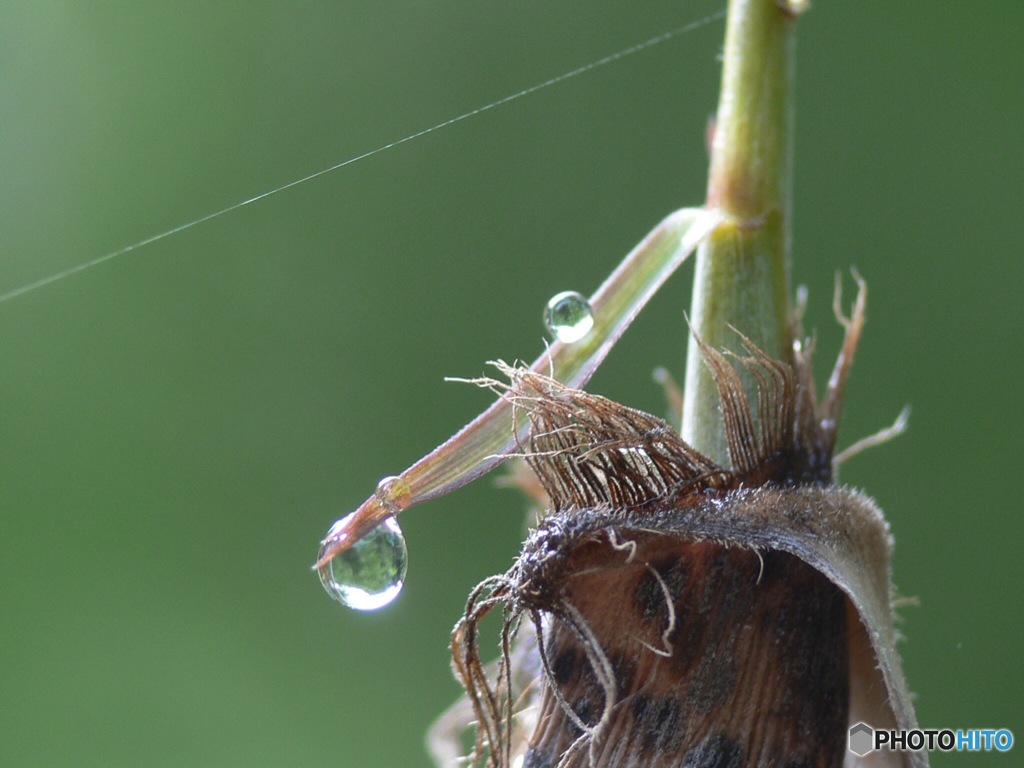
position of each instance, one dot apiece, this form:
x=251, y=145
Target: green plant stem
x=742, y=271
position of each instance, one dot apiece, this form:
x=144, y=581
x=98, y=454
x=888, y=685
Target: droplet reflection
x=370, y=574
x=568, y=316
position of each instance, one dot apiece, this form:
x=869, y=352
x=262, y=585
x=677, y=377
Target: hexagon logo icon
x=862, y=739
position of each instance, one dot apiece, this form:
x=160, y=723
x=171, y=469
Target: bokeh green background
x=179, y=426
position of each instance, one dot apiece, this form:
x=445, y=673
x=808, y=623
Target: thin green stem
x=742, y=271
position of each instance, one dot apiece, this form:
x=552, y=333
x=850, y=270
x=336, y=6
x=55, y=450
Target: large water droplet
x=568, y=316
x=369, y=574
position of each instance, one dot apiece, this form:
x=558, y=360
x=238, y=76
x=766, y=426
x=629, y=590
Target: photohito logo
x=865, y=739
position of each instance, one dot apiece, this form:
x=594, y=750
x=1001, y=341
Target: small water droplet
x=393, y=493
x=369, y=574
x=568, y=316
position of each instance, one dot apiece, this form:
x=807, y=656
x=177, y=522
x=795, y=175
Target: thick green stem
x=742, y=271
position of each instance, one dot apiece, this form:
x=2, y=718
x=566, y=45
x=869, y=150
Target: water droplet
x=393, y=493
x=369, y=574
x=568, y=316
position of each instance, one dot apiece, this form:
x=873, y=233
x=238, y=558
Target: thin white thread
x=16, y=292
x=622, y=546
x=760, y=573
x=668, y=649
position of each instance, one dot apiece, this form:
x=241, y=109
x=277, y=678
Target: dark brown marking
x=565, y=666
x=650, y=595
x=712, y=684
x=718, y=751
x=535, y=758
x=659, y=725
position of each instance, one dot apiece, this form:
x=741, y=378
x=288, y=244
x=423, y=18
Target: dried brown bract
x=685, y=613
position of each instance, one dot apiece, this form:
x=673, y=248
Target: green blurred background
x=181, y=425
